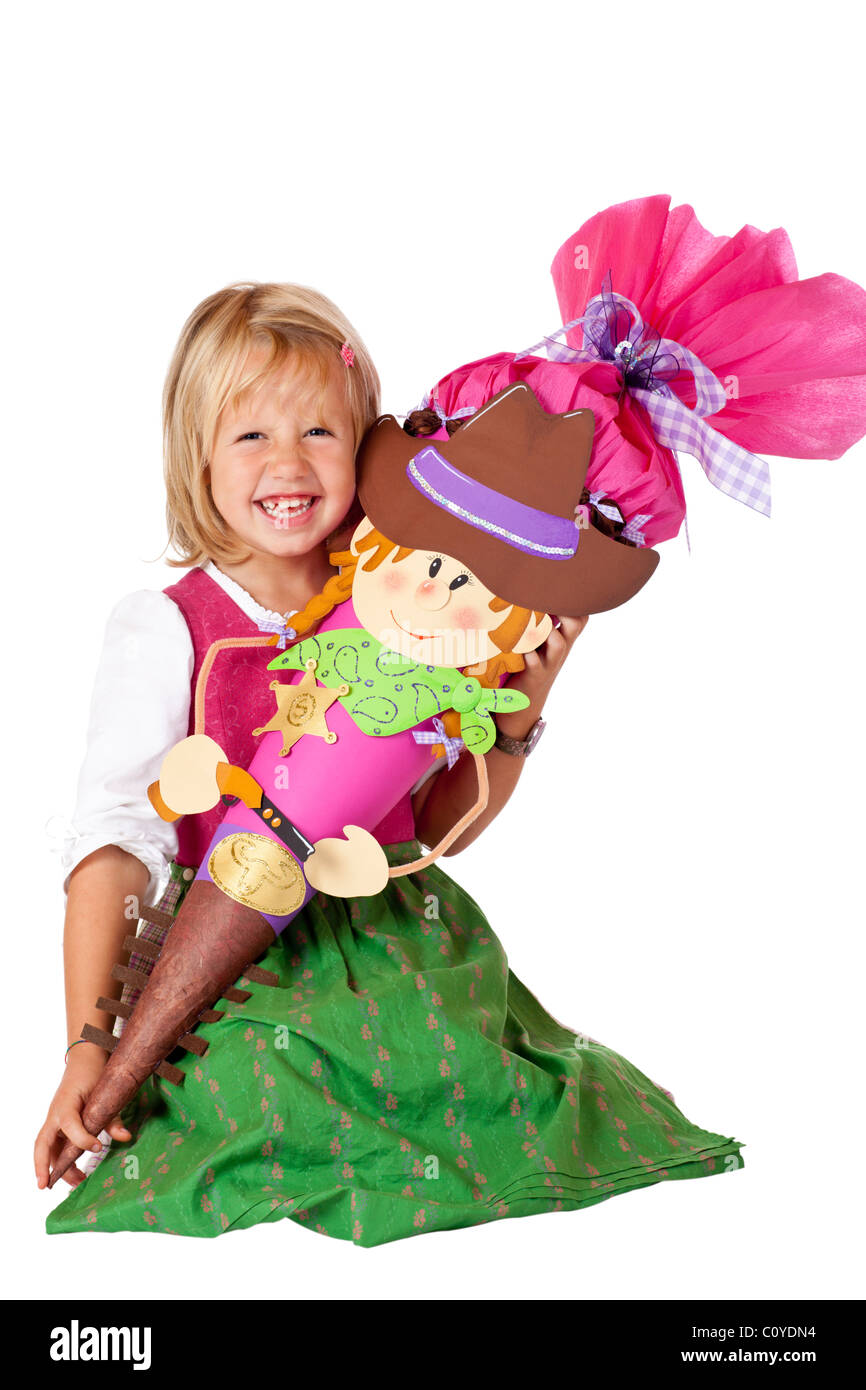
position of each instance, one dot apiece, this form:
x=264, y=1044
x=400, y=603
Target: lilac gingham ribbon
x=452, y=745
x=613, y=331
x=284, y=631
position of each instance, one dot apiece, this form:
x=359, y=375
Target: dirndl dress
x=398, y=1079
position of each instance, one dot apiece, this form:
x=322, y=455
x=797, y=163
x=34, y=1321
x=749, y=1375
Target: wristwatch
x=521, y=747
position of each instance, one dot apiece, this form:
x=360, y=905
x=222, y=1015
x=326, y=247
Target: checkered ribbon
x=285, y=633
x=452, y=745
x=613, y=331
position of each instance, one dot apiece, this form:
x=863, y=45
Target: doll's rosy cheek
x=394, y=581
x=466, y=617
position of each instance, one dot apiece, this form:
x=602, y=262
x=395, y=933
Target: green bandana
x=389, y=693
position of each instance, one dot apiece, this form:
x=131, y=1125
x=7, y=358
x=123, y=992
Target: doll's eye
x=459, y=581
x=435, y=565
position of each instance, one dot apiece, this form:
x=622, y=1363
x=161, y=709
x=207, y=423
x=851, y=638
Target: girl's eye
x=459, y=581
x=435, y=567
x=251, y=434
x=318, y=429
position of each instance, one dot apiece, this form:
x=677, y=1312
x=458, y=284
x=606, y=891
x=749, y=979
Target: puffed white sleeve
x=139, y=710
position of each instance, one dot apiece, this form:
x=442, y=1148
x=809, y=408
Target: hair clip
x=347, y=355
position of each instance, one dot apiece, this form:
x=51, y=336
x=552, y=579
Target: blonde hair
x=206, y=374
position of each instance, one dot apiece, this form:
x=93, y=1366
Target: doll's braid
x=609, y=526
x=337, y=589
x=424, y=422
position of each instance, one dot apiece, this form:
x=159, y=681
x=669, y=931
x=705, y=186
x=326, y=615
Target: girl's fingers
x=42, y=1155
x=573, y=627
x=118, y=1131
x=562, y=639
x=45, y=1154
x=75, y=1132
x=543, y=663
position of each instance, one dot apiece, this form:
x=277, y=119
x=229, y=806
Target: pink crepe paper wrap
x=791, y=353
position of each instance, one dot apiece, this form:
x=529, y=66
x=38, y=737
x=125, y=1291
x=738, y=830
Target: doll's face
x=431, y=608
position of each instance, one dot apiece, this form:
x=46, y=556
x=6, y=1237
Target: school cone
x=213, y=940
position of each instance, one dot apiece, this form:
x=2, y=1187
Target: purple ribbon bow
x=613, y=331
x=452, y=745
x=285, y=632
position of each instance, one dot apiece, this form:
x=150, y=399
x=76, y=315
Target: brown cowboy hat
x=501, y=497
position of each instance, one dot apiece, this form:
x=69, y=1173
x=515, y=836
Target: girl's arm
x=442, y=800
x=119, y=849
x=97, y=920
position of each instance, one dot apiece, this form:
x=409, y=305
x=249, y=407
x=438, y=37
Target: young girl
x=267, y=398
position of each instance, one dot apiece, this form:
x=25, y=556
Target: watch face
x=534, y=735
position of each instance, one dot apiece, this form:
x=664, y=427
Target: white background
x=679, y=874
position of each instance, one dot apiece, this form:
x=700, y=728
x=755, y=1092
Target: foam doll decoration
x=467, y=548
x=394, y=657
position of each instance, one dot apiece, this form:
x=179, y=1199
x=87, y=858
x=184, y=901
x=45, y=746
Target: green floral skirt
x=399, y=1079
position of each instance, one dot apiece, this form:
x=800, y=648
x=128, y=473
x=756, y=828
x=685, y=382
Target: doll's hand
x=64, y=1115
x=355, y=867
x=541, y=669
x=189, y=779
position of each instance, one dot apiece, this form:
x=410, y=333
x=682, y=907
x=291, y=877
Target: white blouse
x=135, y=719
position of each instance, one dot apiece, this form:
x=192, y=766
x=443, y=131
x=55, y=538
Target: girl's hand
x=84, y=1066
x=542, y=668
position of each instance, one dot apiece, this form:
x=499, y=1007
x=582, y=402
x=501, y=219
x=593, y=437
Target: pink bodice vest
x=238, y=700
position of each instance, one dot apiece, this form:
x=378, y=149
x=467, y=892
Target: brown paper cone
x=211, y=942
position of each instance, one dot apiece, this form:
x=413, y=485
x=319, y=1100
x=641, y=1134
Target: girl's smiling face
x=282, y=466
x=431, y=608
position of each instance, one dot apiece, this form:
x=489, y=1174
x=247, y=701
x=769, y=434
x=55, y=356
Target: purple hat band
x=526, y=528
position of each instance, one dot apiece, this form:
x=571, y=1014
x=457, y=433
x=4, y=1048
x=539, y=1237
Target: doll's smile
x=422, y=636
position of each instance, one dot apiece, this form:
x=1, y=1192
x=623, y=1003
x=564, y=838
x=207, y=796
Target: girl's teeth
x=284, y=505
